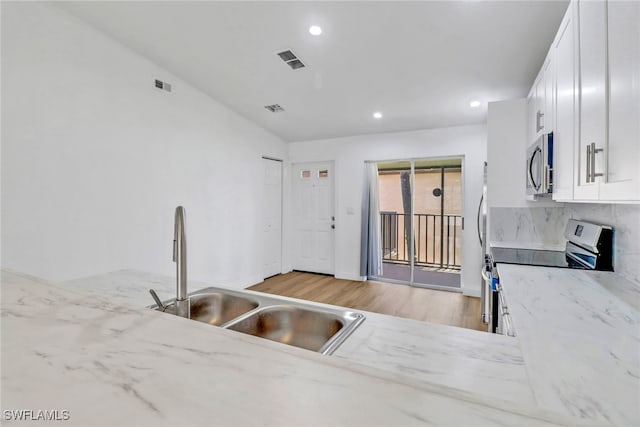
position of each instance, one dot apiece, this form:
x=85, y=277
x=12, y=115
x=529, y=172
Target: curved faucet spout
x=180, y=258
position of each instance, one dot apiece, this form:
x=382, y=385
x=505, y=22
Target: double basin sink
x=285, y=321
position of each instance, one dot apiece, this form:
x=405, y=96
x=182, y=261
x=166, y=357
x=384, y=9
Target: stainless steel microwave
x=539, y=167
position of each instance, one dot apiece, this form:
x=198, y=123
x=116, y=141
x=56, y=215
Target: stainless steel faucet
x=180, y=258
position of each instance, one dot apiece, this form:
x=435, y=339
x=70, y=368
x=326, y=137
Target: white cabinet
x=540, y=103
x=588, y=95
x=533, y=115
x=621, y=160
x=565, y=60
x=607, y=156
x=589, y=151
x=549, y=69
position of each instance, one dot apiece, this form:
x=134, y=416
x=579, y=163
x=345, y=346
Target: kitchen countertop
x=550, y=364
x=469, y=360
x=579, y=332
x=109, y=363
x=526, y=245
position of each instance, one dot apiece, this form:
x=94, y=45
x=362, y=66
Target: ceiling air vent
x=291, y=59
x=275, y=108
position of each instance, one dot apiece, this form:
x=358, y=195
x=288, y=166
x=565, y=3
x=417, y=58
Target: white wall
x=95, y=159
x=349, y=155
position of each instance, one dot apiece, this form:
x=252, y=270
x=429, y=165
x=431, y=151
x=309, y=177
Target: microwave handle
x=530, y=174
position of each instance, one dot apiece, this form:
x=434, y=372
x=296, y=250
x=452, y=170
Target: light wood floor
x=449, y=308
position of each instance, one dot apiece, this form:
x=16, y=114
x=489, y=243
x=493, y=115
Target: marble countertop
x=465, y=359
x=526, y=245
x=110, y=363
x=579, y=332
x=537, y=368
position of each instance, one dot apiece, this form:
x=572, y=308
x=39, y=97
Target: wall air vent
x=291, y=59
x=275, y=108
x=163, y=85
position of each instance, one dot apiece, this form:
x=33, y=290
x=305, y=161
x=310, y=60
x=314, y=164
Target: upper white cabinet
x=621, y=168
x=540, y=103
x=565, y=58
x=549, y=70
x=594, y=109
x=592, y=36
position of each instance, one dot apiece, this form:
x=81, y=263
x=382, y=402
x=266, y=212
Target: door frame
x=411, y=282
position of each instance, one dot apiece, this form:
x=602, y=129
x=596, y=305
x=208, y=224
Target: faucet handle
x=157, y=300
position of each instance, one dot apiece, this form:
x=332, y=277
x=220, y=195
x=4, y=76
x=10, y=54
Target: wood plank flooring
x=449, y=308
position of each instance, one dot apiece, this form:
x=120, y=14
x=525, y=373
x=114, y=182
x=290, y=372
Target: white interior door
x=313, y=217
x=272, y=215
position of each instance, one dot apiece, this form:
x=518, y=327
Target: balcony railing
x=437, y=239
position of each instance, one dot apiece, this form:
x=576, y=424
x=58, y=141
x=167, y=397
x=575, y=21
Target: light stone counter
x=559, y=361
x=130, y=287
x=580, y=337
x=455, y=357
x=111, y=364
x=527, y=245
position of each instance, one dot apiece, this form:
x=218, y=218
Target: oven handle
x=503, y=303
x=506, y=316
x=508, y=326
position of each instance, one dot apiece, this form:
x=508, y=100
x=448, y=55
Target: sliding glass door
x=421, y=222
x=394, y=186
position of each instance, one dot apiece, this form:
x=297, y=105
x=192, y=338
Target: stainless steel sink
x=216, y=308
x=303, y=327
x=284, y=321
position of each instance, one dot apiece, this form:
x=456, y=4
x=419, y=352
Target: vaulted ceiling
x=418, y=63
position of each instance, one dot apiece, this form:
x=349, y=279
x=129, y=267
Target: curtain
x=371, y=244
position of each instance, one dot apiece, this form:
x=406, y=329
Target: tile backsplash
x=545, y=226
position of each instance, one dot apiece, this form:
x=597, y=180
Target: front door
x=313, y=217
x=272, y=217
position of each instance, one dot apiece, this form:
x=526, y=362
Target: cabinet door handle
x=539, y=124
x=588, y=162
x=594, y=150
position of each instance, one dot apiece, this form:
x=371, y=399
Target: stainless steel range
x=589, y=246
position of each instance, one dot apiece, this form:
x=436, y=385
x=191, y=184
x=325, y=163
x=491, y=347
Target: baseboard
x=254, y=280
x=349, y=276
x=471, y=292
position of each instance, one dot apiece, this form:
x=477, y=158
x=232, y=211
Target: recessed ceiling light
x=377, y=115
x=314, y=30
x=474, y=104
